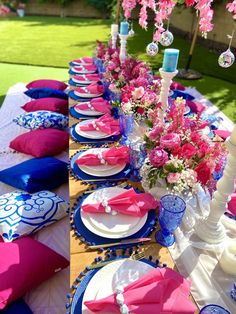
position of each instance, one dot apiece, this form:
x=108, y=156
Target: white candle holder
x=165, y=89
x=114, y=34
x=211, y=230
x=123, y=43
x=228, y=259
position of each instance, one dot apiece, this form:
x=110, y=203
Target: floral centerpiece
x=180, y=154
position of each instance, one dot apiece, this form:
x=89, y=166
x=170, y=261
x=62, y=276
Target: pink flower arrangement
x=179, y=152
x=231, y=7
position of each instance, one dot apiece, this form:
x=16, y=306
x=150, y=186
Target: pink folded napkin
x=98, y=104
x=84, y=60
x=162, y=291
x=92, y=89
x=86, y=78
x=105, y=124
x=112, y=156
x=195, y=107
x=127, y=203
x=232, y=204
x=84, y=68
x=222, y=133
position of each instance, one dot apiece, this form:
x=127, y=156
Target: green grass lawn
x=53, y=42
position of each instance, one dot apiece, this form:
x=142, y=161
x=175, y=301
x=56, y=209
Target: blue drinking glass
x=172, y=208
x=213, y=309
x=137, y=155
x=126, y=127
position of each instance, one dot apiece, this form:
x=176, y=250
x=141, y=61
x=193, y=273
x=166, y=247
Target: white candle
x=228, y=259
x=114, y=28
x=233, y=136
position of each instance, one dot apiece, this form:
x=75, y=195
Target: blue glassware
x=126, y=127
x=213, y=309
x=172, y=208
x=137, y=155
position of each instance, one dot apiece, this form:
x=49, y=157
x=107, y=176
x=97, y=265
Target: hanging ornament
x=227, y=58
x=166, y=38
x=152, y=49
x=131, y=32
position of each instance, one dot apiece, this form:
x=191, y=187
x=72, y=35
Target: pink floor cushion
x=40, y=143
x=176, y=85
x=222, y=133
x=26, y=263
x=51, y=104
x=47, y=84
x=232, y=204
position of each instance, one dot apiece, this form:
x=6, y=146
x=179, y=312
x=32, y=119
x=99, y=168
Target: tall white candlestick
x=123, y=43
x=211, y=229
x=114, y=34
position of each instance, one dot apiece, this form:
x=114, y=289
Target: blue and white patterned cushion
x=23, y=213
x=42, y=119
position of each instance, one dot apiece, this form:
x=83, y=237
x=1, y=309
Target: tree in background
x=106, y=7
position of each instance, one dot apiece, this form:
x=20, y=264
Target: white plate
x=90, y=134
x=81, y=82
x=108, y=226
x=88, y=112
x=87, y=95
x=101, y=170
x=104, y=282
x=83, y=71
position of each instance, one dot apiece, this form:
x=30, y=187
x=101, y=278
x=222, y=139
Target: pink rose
x=155, y=132
x=203, y=172
x=138, y=92
x=158, y=157
x=170, y=141
x=173, y=177
x=203, y=149
x=140, y=110
x=188, y=151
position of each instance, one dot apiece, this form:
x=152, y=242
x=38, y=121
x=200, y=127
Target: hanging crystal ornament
x=167, y=37
x=152, y=49
x=131, y=32
x=227, y=58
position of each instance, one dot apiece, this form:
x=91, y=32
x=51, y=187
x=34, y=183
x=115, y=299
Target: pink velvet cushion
x=51, y=104
x=40, y=143
x=47, y=84
x=25, y=263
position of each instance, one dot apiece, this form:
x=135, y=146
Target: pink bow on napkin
x=94, y=89
x=105, y=124
x=112, y=156
x=127, y=203
x=86, y=78
x=97, y=104
x=82, y=67
x=161, y=291
x=88, y=60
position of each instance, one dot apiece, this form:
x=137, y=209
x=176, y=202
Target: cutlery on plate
x=135, y=257
x=94, y=247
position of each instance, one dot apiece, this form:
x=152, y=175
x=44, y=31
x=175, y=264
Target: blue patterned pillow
x=17, y=307
x=23, y=213
x=37, y=93
x=42, y=120
x=36, y=174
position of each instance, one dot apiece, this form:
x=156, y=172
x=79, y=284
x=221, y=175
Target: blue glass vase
x=172, y=208
x=213, y=309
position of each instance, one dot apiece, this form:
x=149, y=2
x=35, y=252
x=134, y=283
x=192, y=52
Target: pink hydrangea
x=173, y=177
x=158, y=157
x=170, y=141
